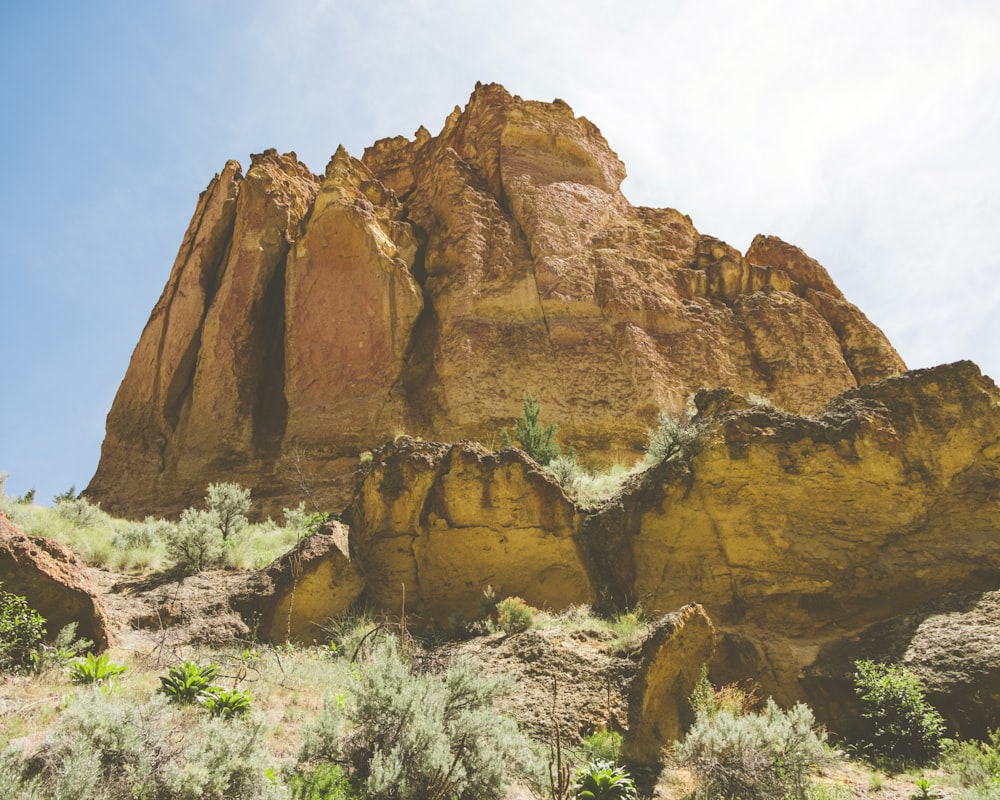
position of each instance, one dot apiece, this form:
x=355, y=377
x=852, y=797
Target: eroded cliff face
x=425, y=287
x=800, y=536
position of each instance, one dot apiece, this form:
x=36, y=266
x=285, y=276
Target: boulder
x=679, y=645
x=54, y=582
x=293, y=598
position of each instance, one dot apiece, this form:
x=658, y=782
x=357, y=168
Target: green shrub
x=230, y=503
x=95, y=669
x=629, y=628
x=188, y=681
x=975, y=764
x=675, y=438
x=707, y=701
x=603, y=746
x=753, y=756
x=902, y=727
x=409, y=736
x=325, y=781
x=81, y=512
x=194, y=543
x=22, y=631
x=537, y=440
x=514, y=615
x=602, y=780
x=109, y=747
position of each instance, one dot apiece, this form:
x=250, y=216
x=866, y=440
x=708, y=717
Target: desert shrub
x=194, y=543
x=514, y=615
x=95, y=669
x=141, y=535
x=675, y=438
x=111, y=748
x=902, y=727
x=602, y=780
x=22, y=631
x=230, y=503
x=707, y=700
x=629, y=629
x=536, y=439
x=81, y=512
x=418, y=736
x=753, y=756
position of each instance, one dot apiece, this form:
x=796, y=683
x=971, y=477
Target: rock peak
x=426, y=286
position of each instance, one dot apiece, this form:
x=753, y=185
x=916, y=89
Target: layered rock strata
x=425, y=287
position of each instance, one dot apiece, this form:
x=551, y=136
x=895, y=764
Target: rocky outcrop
x=434, y=525
x=54, y=582
x=798, y=533
x=672, y=657
x=428, y=285
x=303, y=590
x=799, y=536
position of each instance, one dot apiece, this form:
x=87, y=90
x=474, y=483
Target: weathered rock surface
x=426, y=286
x=53, y=581
x=303, y=590
x=796, y=533
x=433, y=525
x=672, y=657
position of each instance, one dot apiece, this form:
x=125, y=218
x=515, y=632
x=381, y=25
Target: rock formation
x=426, y=287
x=672, y=658
x=301, y=591
x=799, y=536
x=53, y=581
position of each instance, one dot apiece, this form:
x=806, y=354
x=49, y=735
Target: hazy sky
x=866, y=133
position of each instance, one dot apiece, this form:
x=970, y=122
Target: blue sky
x=870, y=138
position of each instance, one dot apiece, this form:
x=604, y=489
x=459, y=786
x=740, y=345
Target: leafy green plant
x=975, y=764
x=602, y=780
x=753, y=756
x=925, y=790
x=81, y=512
x=22, y=631
x=325, y=781
x=629, y=629
x=514, y=615
x=187, y=681
x=226, y=703
x=902, y=726
x=537, y=440
x=95, y=669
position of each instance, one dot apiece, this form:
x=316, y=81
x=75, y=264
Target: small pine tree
x=537, y=440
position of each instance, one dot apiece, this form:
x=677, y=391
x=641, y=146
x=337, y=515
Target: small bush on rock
x=903, y=728
x=538, y=441
x=766, y=756
x=675, y=438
